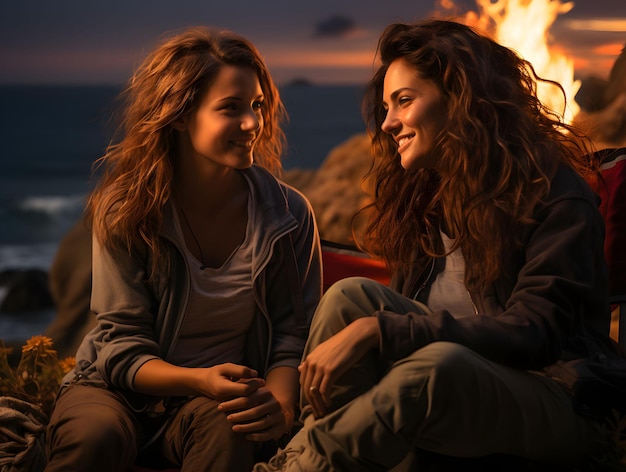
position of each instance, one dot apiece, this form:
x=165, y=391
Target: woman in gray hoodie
x=206, y=272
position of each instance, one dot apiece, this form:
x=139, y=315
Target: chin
x=421, y=161
x=245, y=164
x=408, y=164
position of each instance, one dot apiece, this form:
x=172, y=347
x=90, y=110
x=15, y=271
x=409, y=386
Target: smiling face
x=224, y=129
x=415, y=114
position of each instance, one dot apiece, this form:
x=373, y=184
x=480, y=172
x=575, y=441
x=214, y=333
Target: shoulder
x=567, y=183
x=296, y=200
x=274, y=192
x=571, y=205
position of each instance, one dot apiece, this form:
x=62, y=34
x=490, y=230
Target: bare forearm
x=160, y=378
x=222, y=381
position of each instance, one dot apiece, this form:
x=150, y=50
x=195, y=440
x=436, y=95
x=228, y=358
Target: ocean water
x=51, y=135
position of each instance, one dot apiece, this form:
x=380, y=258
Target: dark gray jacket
x=139, y=320
x=550, y=304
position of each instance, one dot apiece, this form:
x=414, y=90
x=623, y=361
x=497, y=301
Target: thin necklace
x=193, y=235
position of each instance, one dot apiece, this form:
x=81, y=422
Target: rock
x=606, y=127
x=26, y=290
x=337, y=190
x=70, y=287
x=603, y=107
x=590, y=97
x=617, y=79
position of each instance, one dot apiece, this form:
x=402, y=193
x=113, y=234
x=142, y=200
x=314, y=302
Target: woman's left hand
x=260, y=416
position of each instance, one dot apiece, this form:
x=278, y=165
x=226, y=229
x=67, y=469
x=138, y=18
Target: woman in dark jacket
x=496, y=247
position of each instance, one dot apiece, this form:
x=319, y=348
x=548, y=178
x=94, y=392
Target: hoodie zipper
x=473, y=304
x=425, y=282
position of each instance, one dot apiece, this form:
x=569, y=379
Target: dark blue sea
x=51, y=135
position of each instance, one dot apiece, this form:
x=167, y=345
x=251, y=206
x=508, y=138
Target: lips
x=403, y=142
x=247, y=143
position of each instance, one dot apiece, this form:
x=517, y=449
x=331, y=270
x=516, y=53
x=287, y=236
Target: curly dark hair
x=496, y=154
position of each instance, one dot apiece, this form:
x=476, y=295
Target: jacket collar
x=270, y=197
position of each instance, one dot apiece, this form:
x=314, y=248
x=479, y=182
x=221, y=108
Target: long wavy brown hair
x=496, y=154
x=126, y=207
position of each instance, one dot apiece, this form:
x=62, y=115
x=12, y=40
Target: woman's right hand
x=226, y=381
x=325, y=364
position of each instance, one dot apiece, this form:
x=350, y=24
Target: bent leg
x=91, y=429
x=447, y=399
x=345, y=301
x=201, y=438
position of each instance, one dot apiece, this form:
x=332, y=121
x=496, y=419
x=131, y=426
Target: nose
x=390, y=124
x=251, y=121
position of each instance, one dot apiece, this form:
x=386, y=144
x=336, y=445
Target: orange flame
x=523, y=26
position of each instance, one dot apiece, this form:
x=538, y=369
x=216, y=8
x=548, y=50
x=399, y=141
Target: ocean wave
x=53, y=205
x=19, y=328
x=27, y=256
x=38, y=219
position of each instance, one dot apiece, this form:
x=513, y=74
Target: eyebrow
x=395, y=93
x=260, y=96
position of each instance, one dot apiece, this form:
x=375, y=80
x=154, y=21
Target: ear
x=180, y=124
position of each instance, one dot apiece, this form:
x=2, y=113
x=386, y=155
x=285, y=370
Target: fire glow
x=523, y=25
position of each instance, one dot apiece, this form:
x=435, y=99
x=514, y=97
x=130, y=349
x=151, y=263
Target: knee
x=201, y=425
x=96, y=435
x=200, y=417
x=102, y=426
x=347, y=289
x=349, y=298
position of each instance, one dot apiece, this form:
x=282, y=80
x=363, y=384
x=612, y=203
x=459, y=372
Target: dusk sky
x=325, y=41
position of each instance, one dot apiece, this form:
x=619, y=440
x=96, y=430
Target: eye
x=403, y=101
x=229, y=106
x=257, y=105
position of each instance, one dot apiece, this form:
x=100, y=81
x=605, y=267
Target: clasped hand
x=248, y=404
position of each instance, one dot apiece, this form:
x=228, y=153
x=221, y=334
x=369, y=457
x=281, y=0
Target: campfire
x=524, y=26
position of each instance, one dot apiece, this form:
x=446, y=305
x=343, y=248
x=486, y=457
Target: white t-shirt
x=448, y=291
x=221, y=306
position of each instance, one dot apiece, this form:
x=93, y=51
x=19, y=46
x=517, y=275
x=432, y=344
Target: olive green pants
x=443, y=398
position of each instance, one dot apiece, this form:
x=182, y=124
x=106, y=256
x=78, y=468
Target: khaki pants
x=443, y=398
x=91, y=429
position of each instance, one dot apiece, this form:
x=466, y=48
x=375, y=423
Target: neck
x=206, y=195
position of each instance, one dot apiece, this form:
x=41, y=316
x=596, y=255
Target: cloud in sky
x=336, y=27
x=73, y=41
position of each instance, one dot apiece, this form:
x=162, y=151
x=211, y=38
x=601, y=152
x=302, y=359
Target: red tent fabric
x=612, y=191
x=341, y=261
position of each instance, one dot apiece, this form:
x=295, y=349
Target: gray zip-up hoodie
x=140, y=320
